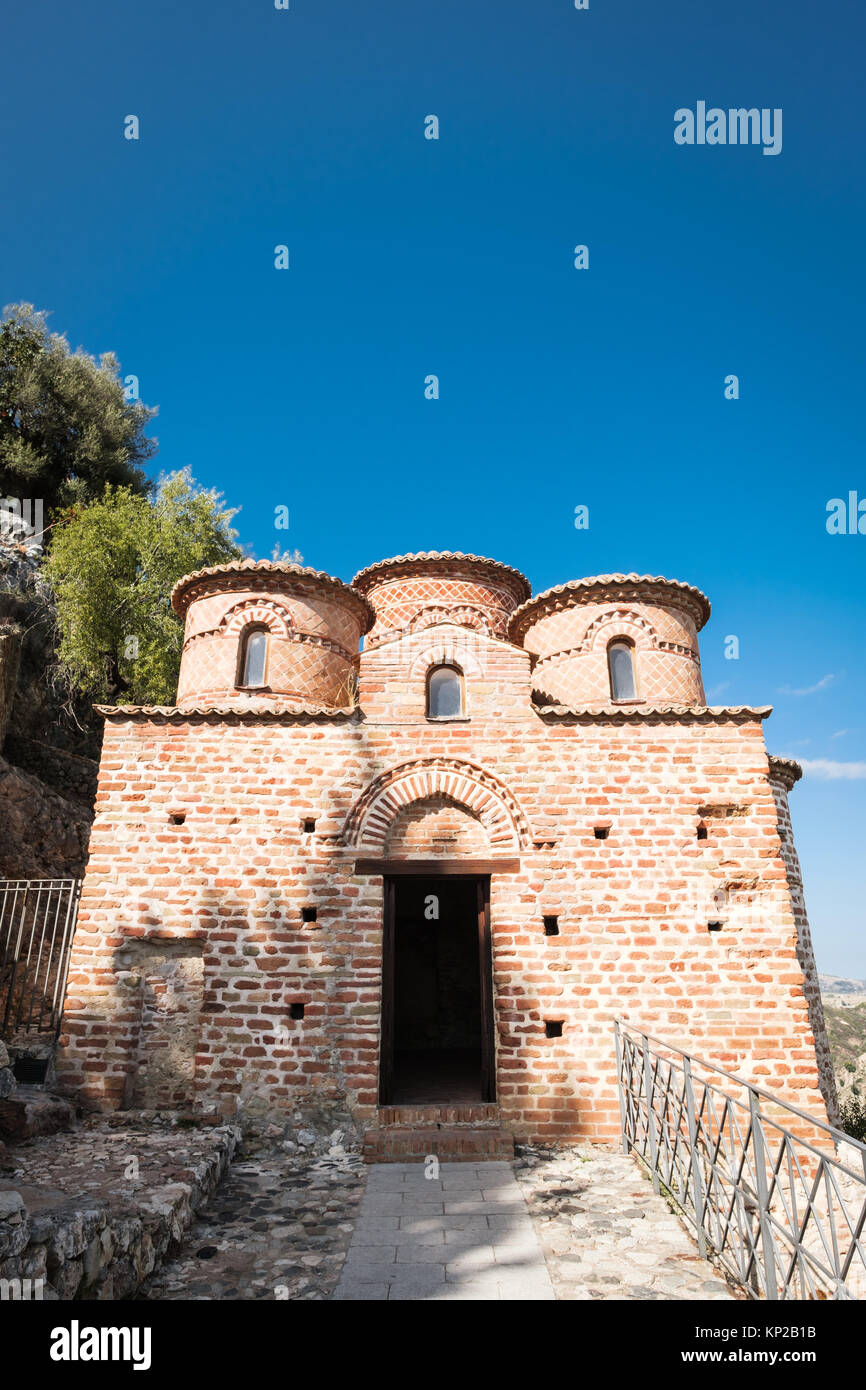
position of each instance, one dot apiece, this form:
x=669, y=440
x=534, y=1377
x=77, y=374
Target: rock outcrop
x=45, y=835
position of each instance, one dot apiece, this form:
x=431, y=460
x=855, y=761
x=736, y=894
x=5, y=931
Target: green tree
x=854, y=1119
x=112, y=565
x=65, y=427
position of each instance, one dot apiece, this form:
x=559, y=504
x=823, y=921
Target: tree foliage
x=112, y=565
x=66, y=429
x=854, y=1119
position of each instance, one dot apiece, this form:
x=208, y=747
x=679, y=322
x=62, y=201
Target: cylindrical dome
x=614, y=639
x=412, y=592
x=266, y=632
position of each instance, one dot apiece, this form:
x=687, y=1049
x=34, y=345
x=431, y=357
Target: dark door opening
x=437, y=1024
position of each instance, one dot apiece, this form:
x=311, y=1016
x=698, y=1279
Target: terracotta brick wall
x=436, y=825
x=781, y=785
x=280, y=916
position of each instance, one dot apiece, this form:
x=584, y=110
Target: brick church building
x=411, y=844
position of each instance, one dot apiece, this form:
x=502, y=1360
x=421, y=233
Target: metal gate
x=37, y=922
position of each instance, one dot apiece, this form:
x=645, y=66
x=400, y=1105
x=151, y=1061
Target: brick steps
x=432, y=1115
x=458, y=1133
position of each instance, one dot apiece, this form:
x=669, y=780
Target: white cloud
x=826, y=770
x=808, y=689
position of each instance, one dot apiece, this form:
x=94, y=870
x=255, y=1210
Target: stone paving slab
x=438, y=1243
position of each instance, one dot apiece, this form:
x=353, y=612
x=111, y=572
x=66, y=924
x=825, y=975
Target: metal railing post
x=650, y=1114
x=760, y=1151
x=620, y=1086
x=697, y=1181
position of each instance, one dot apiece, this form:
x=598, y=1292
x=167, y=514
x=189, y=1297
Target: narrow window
x=296, y=1011
x=309, y=914
x=254, y=652
x=551, y=926
x=444, y=692
x=553, y=1028
x=620, y=661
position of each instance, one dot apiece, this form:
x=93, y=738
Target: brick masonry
x=193, y=940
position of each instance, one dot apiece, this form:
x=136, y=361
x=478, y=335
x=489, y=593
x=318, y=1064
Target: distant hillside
x=845, y=1011
x=838, y=984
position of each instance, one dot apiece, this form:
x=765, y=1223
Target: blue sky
x=408, y=257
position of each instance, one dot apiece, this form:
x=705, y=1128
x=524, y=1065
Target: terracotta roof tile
x=785, y=770
x=270, y=708
x=559, y=595
x=180, y=599
x=427, y=558
x=590, y=712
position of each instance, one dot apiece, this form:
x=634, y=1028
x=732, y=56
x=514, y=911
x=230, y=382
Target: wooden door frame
x=485, y=967
x=386, y=1036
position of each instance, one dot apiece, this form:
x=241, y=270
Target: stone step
x=30, y=1111
x=456, y=1143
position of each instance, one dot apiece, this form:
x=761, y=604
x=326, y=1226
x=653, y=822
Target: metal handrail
x=784, y=1216
x=839, y=1135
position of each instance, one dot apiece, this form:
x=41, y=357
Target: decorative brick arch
x=370, y=818
x=264, y=612
x=628, y=623
x=464, y=616
x=445, y=653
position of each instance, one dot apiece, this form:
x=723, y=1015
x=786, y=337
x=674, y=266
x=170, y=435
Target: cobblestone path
x=579, y=1223
x=276, y=1228
x=606, y=1234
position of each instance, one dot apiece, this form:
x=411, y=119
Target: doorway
x=437, y=998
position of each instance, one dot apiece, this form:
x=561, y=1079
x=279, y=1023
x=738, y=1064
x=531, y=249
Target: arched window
x=254, y=657
x=620, y=664
x=444, y=692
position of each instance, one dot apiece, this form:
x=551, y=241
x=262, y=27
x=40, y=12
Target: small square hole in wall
x=309, y=826
x=601, y=832
x=702, y=832
x=31, y=1071
x=553, y=1028
x=177, y=818
x=715, y=926
x=309, y=914
x=551, y=926
x=296, y=1011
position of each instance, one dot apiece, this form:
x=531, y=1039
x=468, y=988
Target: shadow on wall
x=224, y=1005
